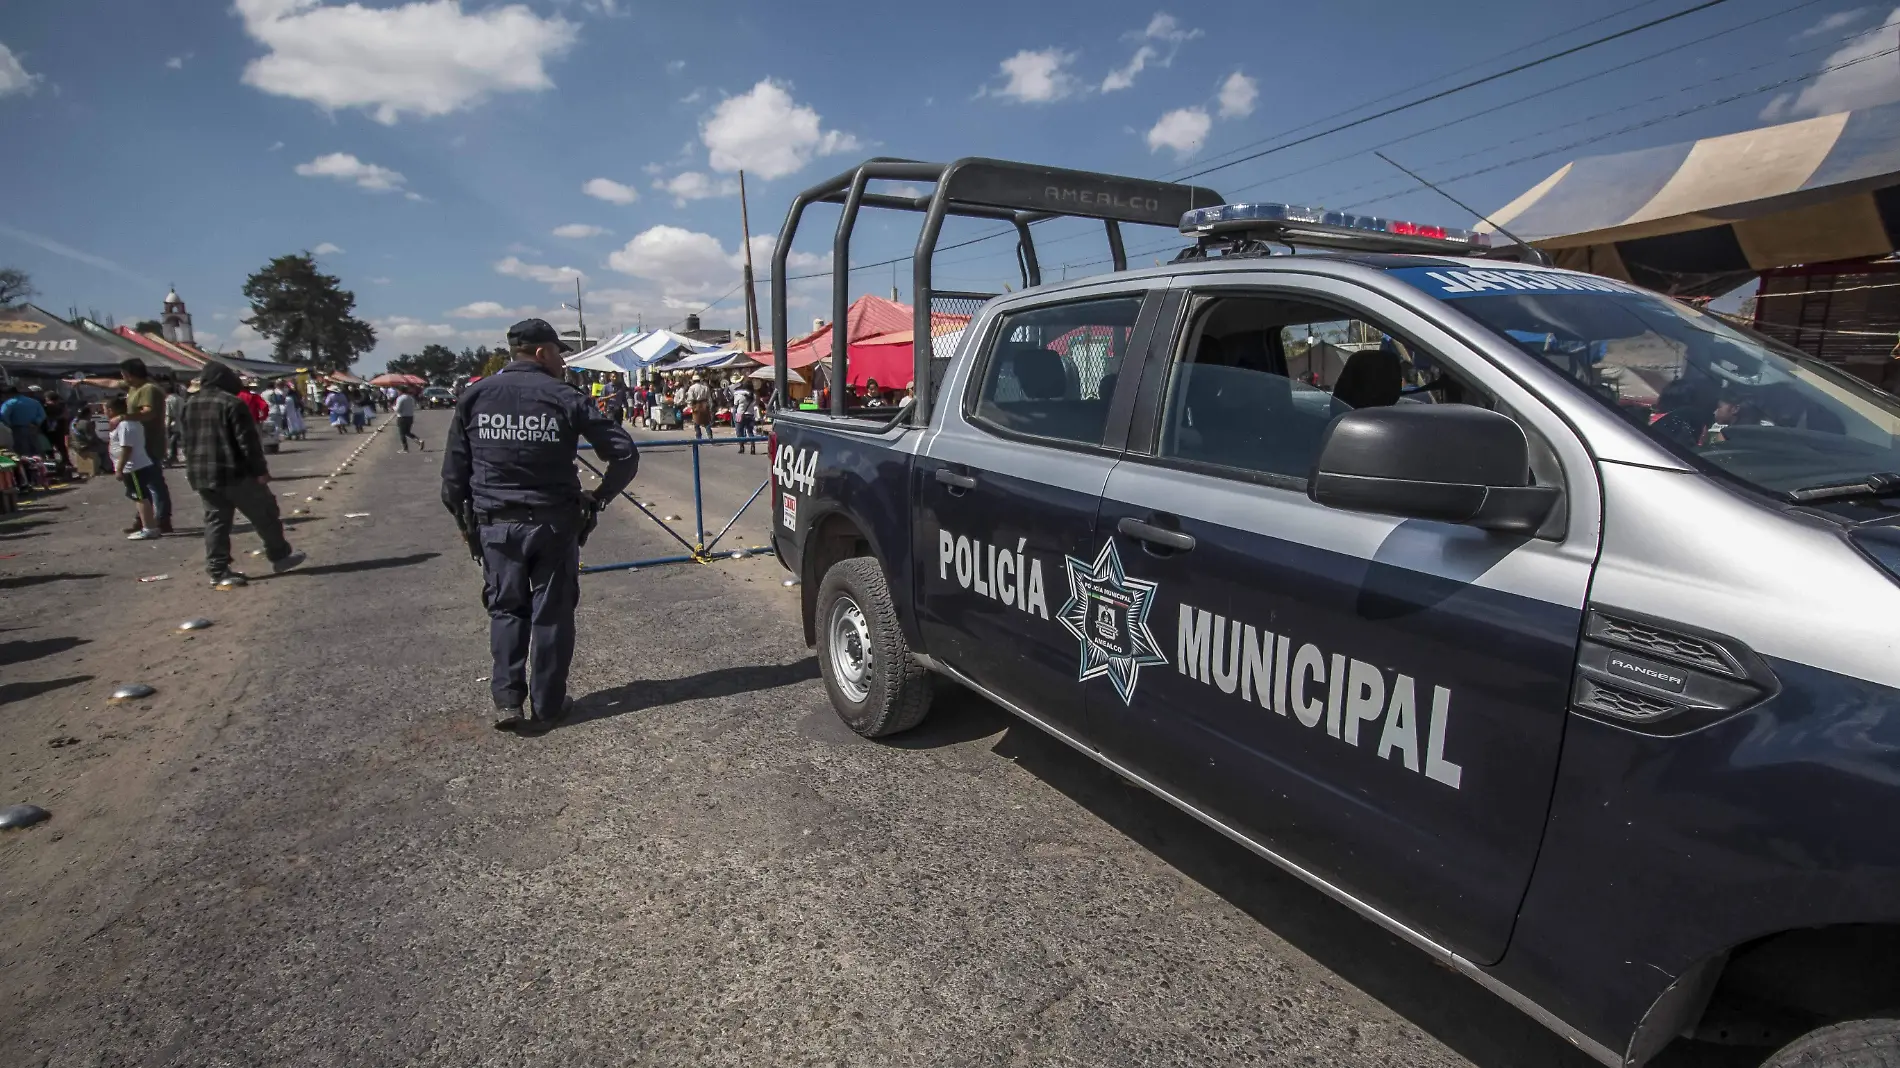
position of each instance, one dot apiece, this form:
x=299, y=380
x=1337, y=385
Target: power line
x=1429, y=81
x=1757, y=91
x=1441, y=94
x=1672, y=50
x=1586, y=120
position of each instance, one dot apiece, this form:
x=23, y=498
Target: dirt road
x=310, y=848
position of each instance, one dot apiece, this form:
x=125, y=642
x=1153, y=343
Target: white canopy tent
x=612, y=354
x=657, y=344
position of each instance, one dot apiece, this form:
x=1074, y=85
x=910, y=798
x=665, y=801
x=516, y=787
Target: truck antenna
x=1482, y=217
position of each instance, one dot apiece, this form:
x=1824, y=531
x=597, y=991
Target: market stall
x=37, y=343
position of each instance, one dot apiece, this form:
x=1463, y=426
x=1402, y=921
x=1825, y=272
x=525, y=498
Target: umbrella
x=397, y=380
x=767, y=372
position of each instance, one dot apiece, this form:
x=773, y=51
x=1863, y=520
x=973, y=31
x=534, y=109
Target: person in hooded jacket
x=224, y=462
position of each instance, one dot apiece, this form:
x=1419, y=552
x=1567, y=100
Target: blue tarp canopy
x=1701, y=217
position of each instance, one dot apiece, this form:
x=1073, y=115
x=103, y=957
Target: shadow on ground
x=20, y=582
x=1456, y=1011
x=350, y=566
x=19, y=652
x=719, y=682
x=20, y=691
x=23, y=529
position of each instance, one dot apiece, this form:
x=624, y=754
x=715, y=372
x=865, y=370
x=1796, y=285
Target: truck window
x=1050, y=371
x=1258, y=380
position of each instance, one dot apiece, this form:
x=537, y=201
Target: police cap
x=535, y=332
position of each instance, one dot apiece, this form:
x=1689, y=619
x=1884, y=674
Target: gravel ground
x=311, y=848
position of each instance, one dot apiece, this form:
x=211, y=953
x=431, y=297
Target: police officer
x=509, y=476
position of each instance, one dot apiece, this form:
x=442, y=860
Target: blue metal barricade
x=698, y=550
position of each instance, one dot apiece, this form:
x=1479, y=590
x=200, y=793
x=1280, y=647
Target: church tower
x=177, y=320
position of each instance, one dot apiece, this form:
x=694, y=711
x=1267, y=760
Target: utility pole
x=578, y=313
x=751, y=297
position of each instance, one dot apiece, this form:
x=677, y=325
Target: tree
x=306, y=314
x=16, y=287
x=437, y=363
x=149, y=326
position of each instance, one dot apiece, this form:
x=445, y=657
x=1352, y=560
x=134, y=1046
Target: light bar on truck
x=1240, y=218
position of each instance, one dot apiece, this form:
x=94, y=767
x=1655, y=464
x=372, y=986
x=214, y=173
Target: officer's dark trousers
x=531, y=584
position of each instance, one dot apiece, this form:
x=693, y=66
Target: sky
x=460, y=164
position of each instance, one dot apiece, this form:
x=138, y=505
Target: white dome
x=172, y=297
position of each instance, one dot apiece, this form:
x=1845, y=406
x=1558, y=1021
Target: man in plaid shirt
x=224, y=462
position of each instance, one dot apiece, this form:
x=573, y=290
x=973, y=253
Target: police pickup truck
x=1546, y=621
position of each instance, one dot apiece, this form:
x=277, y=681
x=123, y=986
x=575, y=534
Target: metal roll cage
x=1019, y=193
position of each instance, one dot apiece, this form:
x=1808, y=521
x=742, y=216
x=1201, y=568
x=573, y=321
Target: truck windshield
x=1756, y=410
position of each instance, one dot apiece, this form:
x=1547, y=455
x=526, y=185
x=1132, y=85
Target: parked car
x=1546, y=622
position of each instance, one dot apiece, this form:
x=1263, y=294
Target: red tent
x=869, y=319
x=888, y=357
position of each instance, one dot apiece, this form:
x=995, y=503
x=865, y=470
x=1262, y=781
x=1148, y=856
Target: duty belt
x=521, y=513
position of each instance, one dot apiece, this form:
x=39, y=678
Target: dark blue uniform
x=511, y=452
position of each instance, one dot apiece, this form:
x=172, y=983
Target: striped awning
x=1703, y=216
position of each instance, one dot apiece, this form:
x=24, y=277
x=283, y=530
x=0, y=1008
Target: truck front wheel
x=875, y=684
x=1858, y=1044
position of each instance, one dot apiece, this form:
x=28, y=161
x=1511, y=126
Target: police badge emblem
x=1108, y=613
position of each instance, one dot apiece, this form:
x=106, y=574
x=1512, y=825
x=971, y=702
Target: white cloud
x=415, y=196
x=610, y=191
x=177, y=62
x=13, y=76
x=404, y=328
x=1836, y=21
x=59, y=248
x=1035, y=77
x=681, y=260
x=425, y=58
x=1237, y=96
x=1124, y=76
x=693, y=185
x=325, y=249
x=1160, y=41
x=488, y=309
x=243, y=337
x=558, y=277
x=380, y=281
x=766, y=132
x=693, y=97
x=1183, y=130
x=347, y=168
x=275, y=146
x=674, y=66
x=578, y=230
x=1866, y=83
x=688, y=265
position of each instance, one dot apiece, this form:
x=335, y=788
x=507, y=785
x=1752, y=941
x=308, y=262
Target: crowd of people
x=218, y=427
x=700, y=401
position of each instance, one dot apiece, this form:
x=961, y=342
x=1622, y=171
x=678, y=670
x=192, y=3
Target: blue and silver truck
x=1549, y=623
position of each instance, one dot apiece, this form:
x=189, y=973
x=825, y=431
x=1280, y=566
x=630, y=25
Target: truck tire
x=876, y=686
x=1856, y=1044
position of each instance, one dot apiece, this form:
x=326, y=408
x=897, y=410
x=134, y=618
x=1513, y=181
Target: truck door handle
x=955, y=481
x=1154, y=535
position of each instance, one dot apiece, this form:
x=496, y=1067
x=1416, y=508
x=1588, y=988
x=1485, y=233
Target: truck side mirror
x=1453, y=463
